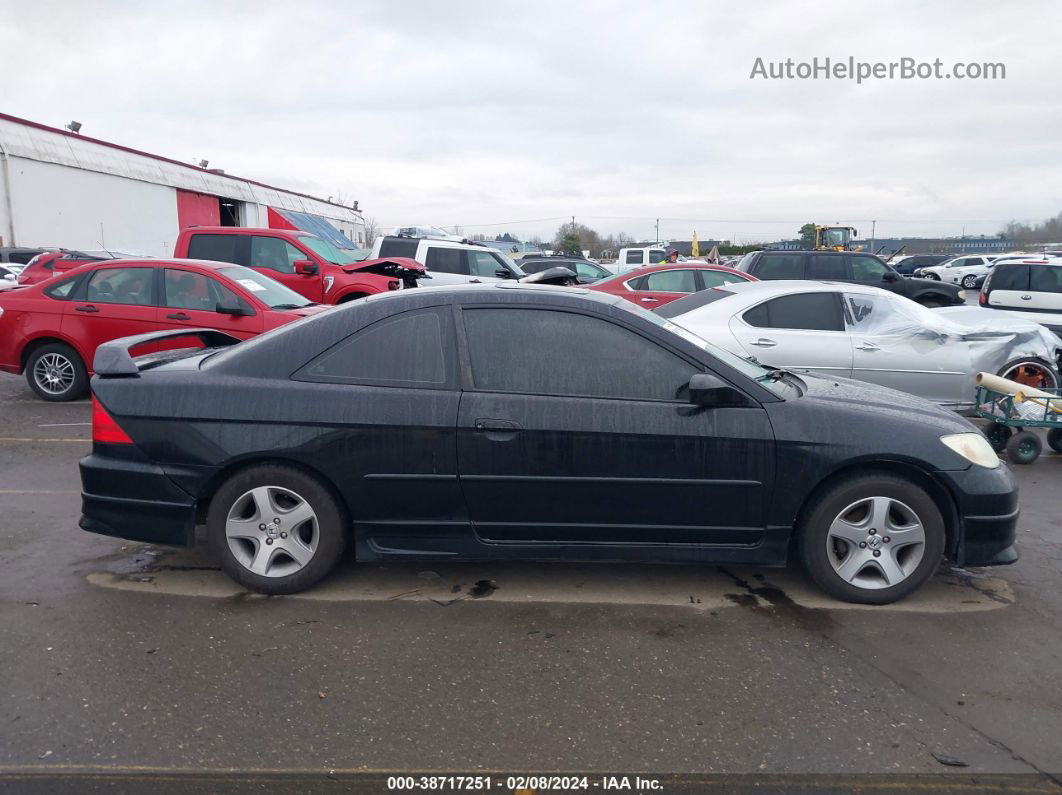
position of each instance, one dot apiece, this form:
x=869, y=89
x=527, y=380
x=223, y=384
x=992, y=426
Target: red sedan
x=656, y=285
x=50, y=331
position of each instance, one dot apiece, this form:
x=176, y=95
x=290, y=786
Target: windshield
x=271, y=293
x=327, y=251
x=836, y=237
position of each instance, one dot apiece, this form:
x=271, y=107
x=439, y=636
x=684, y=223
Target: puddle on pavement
x=701, y=587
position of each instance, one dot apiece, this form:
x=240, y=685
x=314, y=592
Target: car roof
x=670, y=266
x=152, y=262
x=773, y=287
x=479, y=290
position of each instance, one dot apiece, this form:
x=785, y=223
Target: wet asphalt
x=118, y=659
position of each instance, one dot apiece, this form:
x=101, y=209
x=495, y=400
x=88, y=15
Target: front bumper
x=987, y=504
x=129, y=498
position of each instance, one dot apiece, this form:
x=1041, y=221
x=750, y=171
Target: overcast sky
x=491, y=115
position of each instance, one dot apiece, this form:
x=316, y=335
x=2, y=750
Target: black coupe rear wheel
x=276, y=529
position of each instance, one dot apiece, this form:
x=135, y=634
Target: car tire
x=932, y=276
x=930, y=302
x=1024, y=447
x=56, y=373
x=833, y=525
x=969, y=282
x=288, y=551
x=998, y=436
x=1054, y=439
x=1013, y=370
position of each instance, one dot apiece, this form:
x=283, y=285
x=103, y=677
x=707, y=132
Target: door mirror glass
x=306, y=267
x=230, y=308
x=503, y=273
x=890, y=276
x=711, y=391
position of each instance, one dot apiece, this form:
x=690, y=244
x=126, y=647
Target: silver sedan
x=871, y=335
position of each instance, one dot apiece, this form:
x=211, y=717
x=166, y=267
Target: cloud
x=474, y=112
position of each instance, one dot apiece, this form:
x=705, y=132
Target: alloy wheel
x=272, y=531
x=54, y=373
x=876, y=542
x=1031, y=374
x=969, y=282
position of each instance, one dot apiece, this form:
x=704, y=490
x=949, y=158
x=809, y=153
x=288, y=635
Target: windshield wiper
x=776, y=374
x=289, y=306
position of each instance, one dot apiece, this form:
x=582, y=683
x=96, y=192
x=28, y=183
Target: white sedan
x=871, y=335
x=967, y=271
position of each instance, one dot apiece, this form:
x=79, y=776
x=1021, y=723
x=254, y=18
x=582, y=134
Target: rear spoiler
x=113, y=358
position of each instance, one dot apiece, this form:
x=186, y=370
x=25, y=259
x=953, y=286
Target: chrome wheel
x=272, y=531
x=969, y=282
x=875, y=543
x=54, y=373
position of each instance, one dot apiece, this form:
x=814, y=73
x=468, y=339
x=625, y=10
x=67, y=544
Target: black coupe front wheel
x=873, y=538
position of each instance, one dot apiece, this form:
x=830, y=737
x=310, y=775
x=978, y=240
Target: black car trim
x=407, y=476
x=630, y=481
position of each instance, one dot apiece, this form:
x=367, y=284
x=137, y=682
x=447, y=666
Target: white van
x=449, y=262
x=631, y=258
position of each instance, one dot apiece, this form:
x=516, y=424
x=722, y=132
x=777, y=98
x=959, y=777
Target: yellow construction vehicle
x=834, y=238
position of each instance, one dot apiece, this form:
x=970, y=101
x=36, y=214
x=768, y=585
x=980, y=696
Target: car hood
x=387, y=266
x=306, y=311
x=869, y=400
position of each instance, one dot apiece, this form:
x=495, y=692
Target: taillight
x=104, y=429
x=982, y=299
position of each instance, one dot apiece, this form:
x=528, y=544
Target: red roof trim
x=119, y=147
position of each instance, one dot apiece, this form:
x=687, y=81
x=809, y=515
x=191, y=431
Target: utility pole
x=573, y=224
x=873, y=230
x=657, y=230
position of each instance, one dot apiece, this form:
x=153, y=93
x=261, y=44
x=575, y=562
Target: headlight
x=973, y=447
x=962, y=295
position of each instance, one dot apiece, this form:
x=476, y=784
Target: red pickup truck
x=301, y=261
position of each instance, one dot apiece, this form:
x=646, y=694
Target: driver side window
x=868, y=269
x=274, y=254
x=601, y=359
x=483, y=263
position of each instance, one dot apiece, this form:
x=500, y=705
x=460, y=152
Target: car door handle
x=763, y=342
x=86, y=308
x=475, y=281
x=650, y=300
x=496, y=425
x=1026, y=298
x=178, y=316
x=867, y=346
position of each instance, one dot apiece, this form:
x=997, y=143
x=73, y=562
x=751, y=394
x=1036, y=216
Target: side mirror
x=890, y=276
x=231, y=308
x=503, y=273
x=713, y=392
x=306, y=267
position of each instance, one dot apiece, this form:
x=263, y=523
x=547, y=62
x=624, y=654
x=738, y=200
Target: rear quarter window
x=1010, y=276
x=62, y=290
x=780, y=266
x=217, y=248
x=399, y=247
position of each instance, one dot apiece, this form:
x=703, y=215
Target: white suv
x=449, y=262
x=1030, y=287
x=966, y=271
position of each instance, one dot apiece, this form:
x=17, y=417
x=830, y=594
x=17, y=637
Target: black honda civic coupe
x=524, y=422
